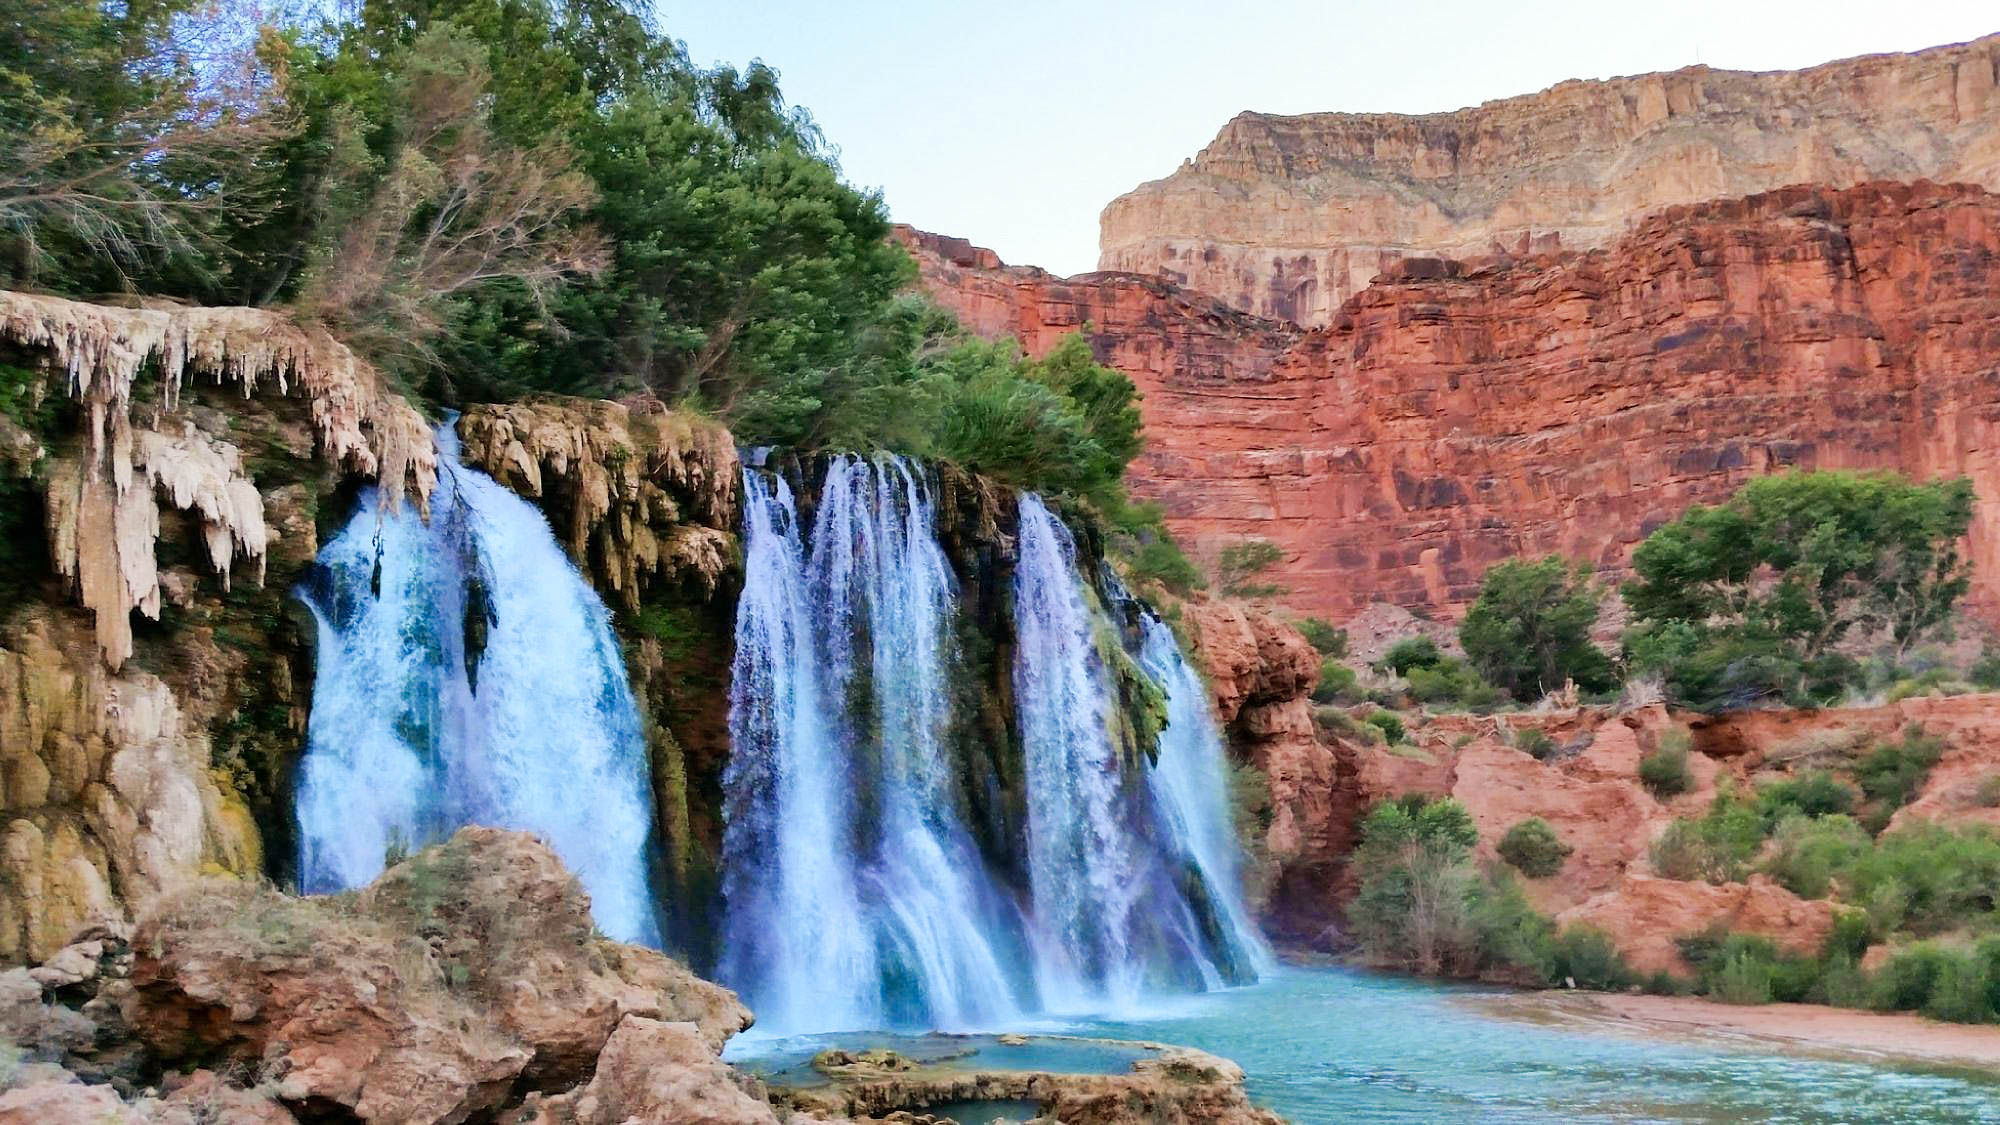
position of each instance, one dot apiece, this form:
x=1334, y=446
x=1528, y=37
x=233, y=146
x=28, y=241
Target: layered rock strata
x=1456, y=414
x=1287, y=217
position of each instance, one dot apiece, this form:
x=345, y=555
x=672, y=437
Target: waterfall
x=467, y=674
x=1190, y=788
x=1122, y=905
x=853, y=895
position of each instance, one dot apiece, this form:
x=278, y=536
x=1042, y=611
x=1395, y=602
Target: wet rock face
x=1449, y=418
x=1287, y=217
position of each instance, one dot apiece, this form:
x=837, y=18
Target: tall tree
x=1529, y=630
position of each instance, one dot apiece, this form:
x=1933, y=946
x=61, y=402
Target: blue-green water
x=1327, y=1045
x=1331, y=1045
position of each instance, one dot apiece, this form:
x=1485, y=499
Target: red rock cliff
x=1455, y=414
x=1289, y=216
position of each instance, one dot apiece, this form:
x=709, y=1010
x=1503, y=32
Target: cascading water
x=466, y=674
x=1189, y=789
x=1114, y=914
x=853, y=894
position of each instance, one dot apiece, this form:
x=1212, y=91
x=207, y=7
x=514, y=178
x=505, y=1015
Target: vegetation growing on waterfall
x=1750, y=599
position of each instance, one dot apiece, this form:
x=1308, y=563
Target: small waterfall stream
x=415, y=732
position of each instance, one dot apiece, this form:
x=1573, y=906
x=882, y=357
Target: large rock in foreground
x=1287, y=217
x=466, y=976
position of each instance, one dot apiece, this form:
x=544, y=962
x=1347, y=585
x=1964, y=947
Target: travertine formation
x=636, y=491
x=1456, y=414
x=105, y=791
x=1287, y=217
x=103, y=502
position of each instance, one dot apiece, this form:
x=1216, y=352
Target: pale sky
x=1012, y=123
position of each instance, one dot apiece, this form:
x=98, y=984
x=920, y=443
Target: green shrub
x=1337, y=683
x=1535, y=742
x=1988, y=793
x=1585, y=955
x=1928, y=878
x=1809, y=852
x=1985, y=672
x=1452, y=684
x=1240, y=562
x=1337, y=722
x=1893, y=773
x=1905, y=982
x=1390, y=726
x=1813, y=793
x=1664, y=771
x=1410, y=652
x=1515, y=941
x=1534, y=849
x=1743, y=978
x=1750, y=599
x=1718, y=847
x=1158, y=559
x=1324, y=638
x=1529, y=630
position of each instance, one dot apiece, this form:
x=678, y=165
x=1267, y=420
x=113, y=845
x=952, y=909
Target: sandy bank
x=1809, y=1028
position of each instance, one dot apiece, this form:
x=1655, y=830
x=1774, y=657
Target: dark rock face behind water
x=1455, y=414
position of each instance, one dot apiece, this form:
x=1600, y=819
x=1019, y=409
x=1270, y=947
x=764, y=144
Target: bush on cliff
x=1337, y=683
x=1534, y=849
x=1240, y=563
x=1425, y=907
x=1747, y=600
x=1325, y=639
x=1664, y=769
x=1528, y=632
x=1718, y=847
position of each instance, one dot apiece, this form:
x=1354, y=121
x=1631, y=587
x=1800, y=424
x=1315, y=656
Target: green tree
x=1529, y=630
x=1240, y=562
x=130, y=134
x=1748, y=598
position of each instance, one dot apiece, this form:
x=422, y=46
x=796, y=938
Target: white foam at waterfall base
x=402, y=750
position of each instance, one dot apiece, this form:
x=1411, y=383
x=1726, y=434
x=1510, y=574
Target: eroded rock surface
x=1287, y=217
x=464, y=977
x=1455, y=414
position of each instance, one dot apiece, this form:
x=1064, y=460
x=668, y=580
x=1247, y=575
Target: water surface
x=1332, y=1045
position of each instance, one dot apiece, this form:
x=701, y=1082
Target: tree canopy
x=1529, y=630
x=1750, y=598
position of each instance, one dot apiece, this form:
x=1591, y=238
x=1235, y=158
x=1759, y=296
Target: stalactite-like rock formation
x=636, y=492
x=103, y=505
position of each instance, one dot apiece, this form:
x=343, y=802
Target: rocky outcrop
x=1168, y=1084
x=1644, y=915
x=1287, y=217
x=463, y=978
x=1453, y=414
x=106, y=790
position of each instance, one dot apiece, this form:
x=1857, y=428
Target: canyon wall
x=1456, y=414
x=1287, y=217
